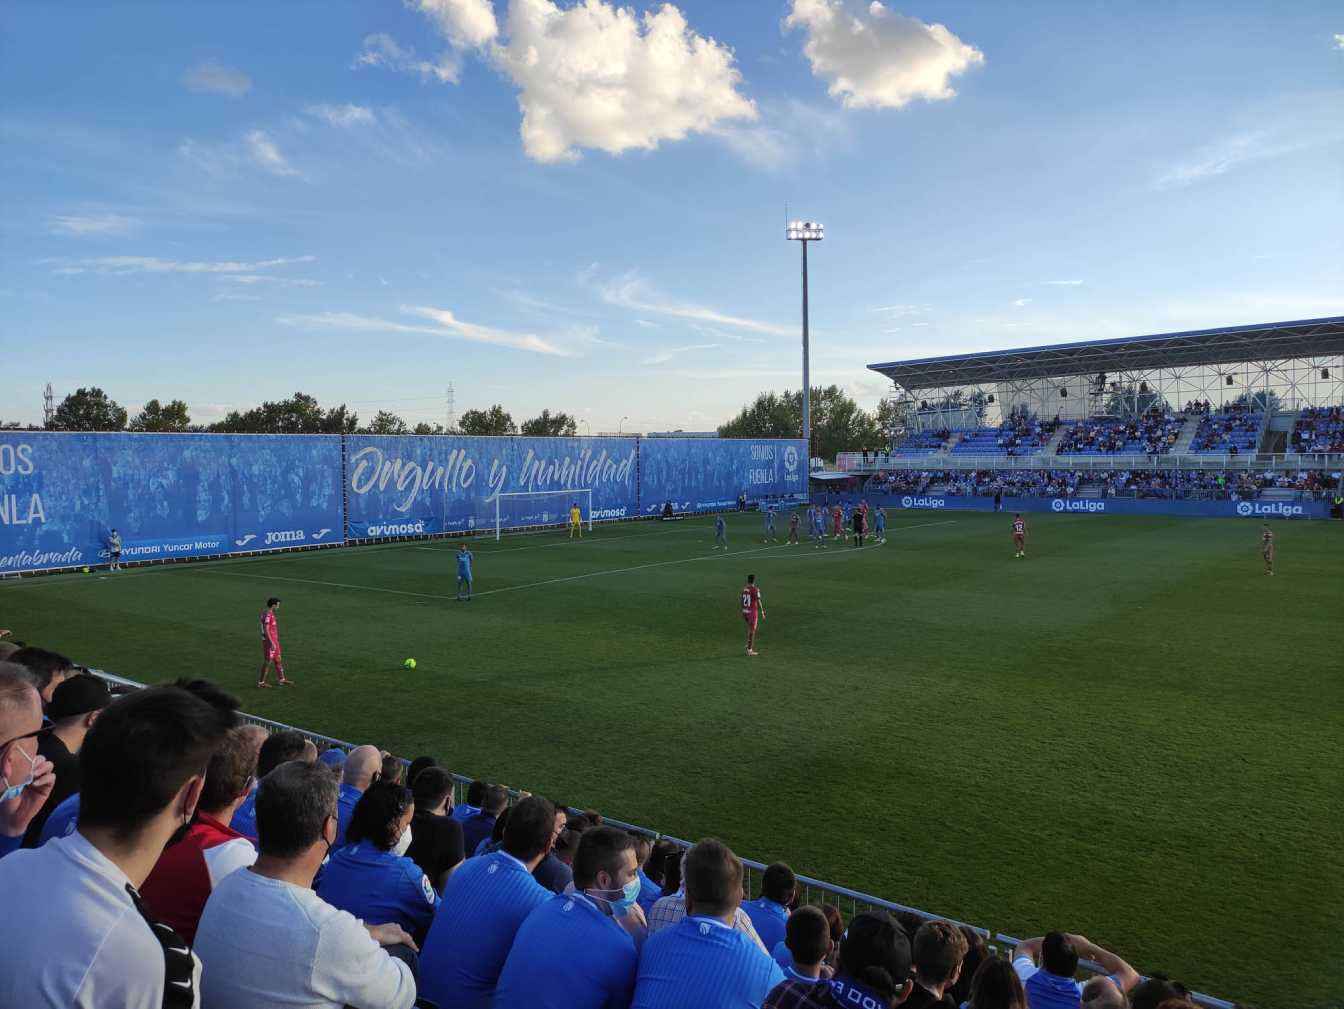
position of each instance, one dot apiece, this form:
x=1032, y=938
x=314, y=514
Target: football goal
x=533, y=509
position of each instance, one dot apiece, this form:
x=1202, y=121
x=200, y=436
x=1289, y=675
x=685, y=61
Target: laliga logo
x=287, y=536
x=907, y=501
x=1249, y=508
x=790, y=460
x=1060, y=505
x=923, y=502
x=1245, y=508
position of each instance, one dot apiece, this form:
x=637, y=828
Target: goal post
x=531, y=509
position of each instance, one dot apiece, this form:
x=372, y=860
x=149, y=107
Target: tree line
x=92, y=409
x=839, y=424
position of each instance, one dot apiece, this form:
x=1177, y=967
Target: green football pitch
x=1132, y=733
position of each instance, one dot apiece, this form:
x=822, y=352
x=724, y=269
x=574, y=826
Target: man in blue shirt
x=875, y=949
x=484, y=904
x=464, y=559
x=363, y=767
x=720, y=533
x=770, y=914
x=478, y=828
x=649, y=891
x=464, y=811
x=1047, y=966
x=278, y=748
x=571, y=953
x=702, y=960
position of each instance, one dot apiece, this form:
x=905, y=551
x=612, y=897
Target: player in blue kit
x=880, y=525
x=769, y=536
x=464, y=559
x=818, y=527
x=720, y=533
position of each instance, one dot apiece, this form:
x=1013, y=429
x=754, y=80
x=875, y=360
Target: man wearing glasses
x=25, y=776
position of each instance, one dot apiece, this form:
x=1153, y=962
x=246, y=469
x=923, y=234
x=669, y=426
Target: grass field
x=1132, y=733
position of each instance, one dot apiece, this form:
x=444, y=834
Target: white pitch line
x=334, y=585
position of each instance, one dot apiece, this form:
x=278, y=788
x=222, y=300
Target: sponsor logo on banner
x=922, y=502
x=790, y=460
x=1246, y=508
x=244, y=541
x=397, y=529
x=612, y=513
x=1083, y=505
x=286, y=536
x=320, y=533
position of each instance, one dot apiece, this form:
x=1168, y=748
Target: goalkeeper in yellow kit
x=575, y=521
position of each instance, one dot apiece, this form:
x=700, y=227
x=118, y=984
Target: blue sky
x=581, y=207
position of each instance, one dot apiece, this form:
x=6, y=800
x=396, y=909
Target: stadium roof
x=1229, y=345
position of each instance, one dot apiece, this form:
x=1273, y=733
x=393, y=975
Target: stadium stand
x=1020, y=434
x=266, y=937
x=1151, y=434
x=1319, y=429
x=923, y=443
x=1229, y=433
x=1171, y=484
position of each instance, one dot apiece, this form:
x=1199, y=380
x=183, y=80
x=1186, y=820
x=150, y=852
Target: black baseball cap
x=78, y=695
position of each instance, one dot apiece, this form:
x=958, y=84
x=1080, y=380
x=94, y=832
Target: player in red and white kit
x=837, y=522
x=752, y=611
x=270, y=645
x=1020, y=535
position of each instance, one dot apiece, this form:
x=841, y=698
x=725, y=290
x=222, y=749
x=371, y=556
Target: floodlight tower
x=804, y=232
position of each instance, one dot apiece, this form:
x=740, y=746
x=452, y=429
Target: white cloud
x=872, y=57
x=346, y=116
x=1339, y=40
x=786, y=131
x=152, y=264
x=445, y=324
x=633, y=292
x=664, y=356
x=217, y=79
x=466, y=23
x=901, y=311
x=266, y=155
x=250, y=279
x=230, y=296
x=93, y=224
x=381, y=50
x=1021, y=302
x=1061, y=283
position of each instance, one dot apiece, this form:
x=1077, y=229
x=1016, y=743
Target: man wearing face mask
x=25, y=777
x=370, y=876
x=85, y=938
x=268, y=941
x=571, y=953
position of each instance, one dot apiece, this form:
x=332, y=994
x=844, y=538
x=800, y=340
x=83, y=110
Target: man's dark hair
x=376, y=814
x=418, y=765
x=601, y=849
x=393, y=769
x=976, y=953
x=280, y=748
x=712, y=877
x=836, y=920
x=42, y=664
x=643, y=847
x=751, y=579
x=997, y=986
x=501, y=821
x=663, y=851
x=496, y=798
x=1058, y=955
x=807, y=934
x=876, y=953
x=1153, y=992
x=430, y=787
x=567, y=844
x=271, y=602
x=779, y=884
x=939, y=948
x=293, y=804
x=476, y=793
x=144, y=747
x=528, y=832
x=231, y=767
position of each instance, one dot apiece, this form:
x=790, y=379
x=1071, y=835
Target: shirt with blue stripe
x=345, y=808
x=485, y=902
x=379, y=886
x=62, y=821
x=245, y=817
x=701, y=962
x=569, y=954
x=770, y=919
x=464, y=565
x=649, y=892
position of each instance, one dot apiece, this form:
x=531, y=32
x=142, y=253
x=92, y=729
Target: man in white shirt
x=268, y=941
x=77, y=935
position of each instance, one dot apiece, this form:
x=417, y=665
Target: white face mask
x=403, y=842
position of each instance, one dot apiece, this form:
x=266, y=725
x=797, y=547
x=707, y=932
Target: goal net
x=538, y=509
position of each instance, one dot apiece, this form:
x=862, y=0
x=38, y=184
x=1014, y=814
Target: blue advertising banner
x=414, y=485
x=1099, y=506
x=168, y=495
x=703, y=474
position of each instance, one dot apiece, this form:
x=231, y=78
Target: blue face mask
x=629, y=894
x=12, y=792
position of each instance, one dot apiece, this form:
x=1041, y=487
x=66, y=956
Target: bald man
x=22, y=769
x=363, y=767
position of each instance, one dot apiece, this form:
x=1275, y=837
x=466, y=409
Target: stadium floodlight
x=804, y=232
x=620, y=428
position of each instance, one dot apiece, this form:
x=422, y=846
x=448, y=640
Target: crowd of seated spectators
x=1318, y=429
x=1154, y=433
x=212, y=864
x=1019, y=434
x=922, y=443
x=1231, y=431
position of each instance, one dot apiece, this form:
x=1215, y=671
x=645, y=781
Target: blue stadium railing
x=850, y=902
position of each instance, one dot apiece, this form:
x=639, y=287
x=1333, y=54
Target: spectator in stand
x=996, y=986
x=807, y=942
x=363, y=767
x=333, y=757
x=938, y=950
x=191, y=867
x=436, y=838
x=74, y=708
x=769, y=914
x=370, y=875
x=1101, y=993
x=466, y=810
x=484, y=904
x=670, y=909
x=976, y=953
x=703, y=960
x=496, y=839
x=48, y=669
x=418, y=765
x=477, y=828
x=84, y=937
x=1152, y=992
x=269, y=942
x=555, y=872
x=572, y=952
x=393, y=769
x=873, y=970
x=649, y=888
x=278, y=748
x=1047, y=966
x=26, y=776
